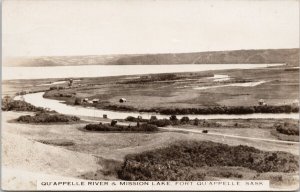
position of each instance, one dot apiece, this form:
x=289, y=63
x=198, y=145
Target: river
x=12, y=73
x=38, y=100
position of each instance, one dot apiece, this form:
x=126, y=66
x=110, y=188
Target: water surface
x=11, y=73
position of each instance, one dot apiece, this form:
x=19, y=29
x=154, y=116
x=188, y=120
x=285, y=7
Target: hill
x=289, y=56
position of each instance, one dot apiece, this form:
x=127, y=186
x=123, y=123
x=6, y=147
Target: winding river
x=38, y=100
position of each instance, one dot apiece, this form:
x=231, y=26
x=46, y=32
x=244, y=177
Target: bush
x=180, y=161
x=121, y=128
x=173, y=118
x=131, y=119
x=185, y=120
x=113, y=122
x=161, y=122
x=287, y=128
x=47, y=118
x=153, y=118
x=17, y=105
x=135, y=119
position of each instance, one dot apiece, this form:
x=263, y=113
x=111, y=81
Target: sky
x=99, y=27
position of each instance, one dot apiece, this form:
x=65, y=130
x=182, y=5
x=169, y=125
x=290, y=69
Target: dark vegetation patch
x=208, y=109
x=181, y=160
x=285, y=137
x=230, y=110
x=47, y=117
x=8, y=104
x=164, y=77
x=287, y=128
x=57, y=142
x=143, y=127
x=232, y=123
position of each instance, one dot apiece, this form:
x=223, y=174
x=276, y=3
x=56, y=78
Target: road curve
x=225, y=135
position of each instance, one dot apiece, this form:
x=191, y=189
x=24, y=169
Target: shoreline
x=226, y=110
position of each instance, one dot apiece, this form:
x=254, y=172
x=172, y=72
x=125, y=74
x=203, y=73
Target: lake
x=12, y=73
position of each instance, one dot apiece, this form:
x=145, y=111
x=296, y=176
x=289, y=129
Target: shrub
x=184, y=119
x=113, y=122
x=47, y=118
x=130, y=118
x=17, y=105
x=180, y=161
x=173, y=118
x=121, y=128
x=287, y=128
x=153, y=118
x=135, y=119
x=161, y=122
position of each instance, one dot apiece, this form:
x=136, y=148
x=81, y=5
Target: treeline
x=165, y=77
x=210, y=110
x=230, y=110
x=181, y=160
x=166, y=122
x=46, y=117
x=121, y=128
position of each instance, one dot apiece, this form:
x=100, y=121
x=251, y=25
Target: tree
x=173, y=118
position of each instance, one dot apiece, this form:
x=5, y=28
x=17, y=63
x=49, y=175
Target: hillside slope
x=289, y=56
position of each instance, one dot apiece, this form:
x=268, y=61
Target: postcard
x=150, y=95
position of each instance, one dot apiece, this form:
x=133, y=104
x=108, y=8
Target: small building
x=104, y=116
x=122, y=100
x=85, y=100
x=261, y=102
x=95, y=101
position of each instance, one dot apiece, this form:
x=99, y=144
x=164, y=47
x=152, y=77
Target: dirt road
x=226, y=135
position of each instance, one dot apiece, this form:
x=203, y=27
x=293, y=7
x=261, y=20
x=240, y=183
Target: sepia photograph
x=150, y=95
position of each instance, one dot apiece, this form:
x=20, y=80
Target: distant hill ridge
x=289, y=56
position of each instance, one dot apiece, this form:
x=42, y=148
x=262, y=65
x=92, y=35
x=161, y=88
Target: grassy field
x=180, y=93
x=111, y=152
